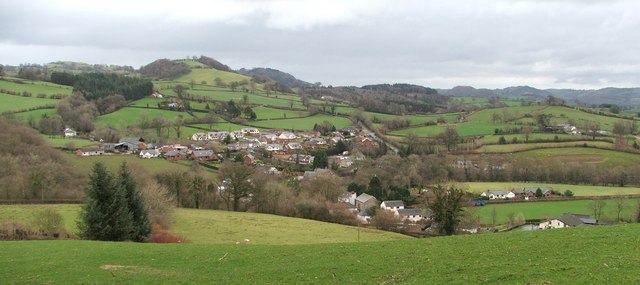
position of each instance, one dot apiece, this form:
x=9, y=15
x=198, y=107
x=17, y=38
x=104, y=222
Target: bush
x=568, y=193
x=158, y=235
x=48, y=222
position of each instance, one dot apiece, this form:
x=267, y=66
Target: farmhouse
x=204, y=155
x=69, y=133
x=392, y=205
x=498, y=194
x=567, y=221
x=366, y=201
x=89, y=152
x=150, y=153
x=348, y=197
x=175, y=155
x=412, y=215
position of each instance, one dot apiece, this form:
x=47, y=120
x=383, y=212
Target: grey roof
x=544, y=190
x=203, y=153
x=174, y=153
x=393, y=203
x=364, y=197
x=132, y=140
x=518, y=190
x=499, y=192
x=575, y=220
x=410, y=212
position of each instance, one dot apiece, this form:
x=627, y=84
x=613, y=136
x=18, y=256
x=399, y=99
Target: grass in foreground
x=225, y=227
x=569, y=256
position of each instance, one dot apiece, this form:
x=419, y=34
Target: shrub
x=158, y=235
x=48, y=222
x=568, y=193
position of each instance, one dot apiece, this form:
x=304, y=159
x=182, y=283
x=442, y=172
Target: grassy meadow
x=19, y=103
x=605, y=158
x=495, y=148
x=549, y=210
x=35, y=87
x=578, y=190
x=131, y=116
x=569, y=256
x=225, y=227
x=303, y=124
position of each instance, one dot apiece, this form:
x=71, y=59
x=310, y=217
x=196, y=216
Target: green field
x=303, y=124
x=209, y=75
x=61, y=141
x=581, y=154
x=496, y=148
x=19, y=103
x=35, y=87
x=131, y=116
x=464, y=129
x=225, y=227
x=265, y=113
x=207, y=227
x=597, y=255
x=532, y=137
x=486, y=115
x=550, y=210
x=36, y=115
x=578, y=190
x=222, y=126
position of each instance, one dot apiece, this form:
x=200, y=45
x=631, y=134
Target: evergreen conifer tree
x=141, y=227
x=106, y=215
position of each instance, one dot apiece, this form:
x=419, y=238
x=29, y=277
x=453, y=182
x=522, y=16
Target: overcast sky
x=579, y=44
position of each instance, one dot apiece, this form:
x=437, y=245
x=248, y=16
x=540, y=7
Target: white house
x=412, y=215
x=149, y=153
x=250, y=131
x=348, y=197
x=498, y=194
x=567, y=221
x=287, y=136
x=199, y=137
x=392, y=205
x=69, y=133
x=273, y=147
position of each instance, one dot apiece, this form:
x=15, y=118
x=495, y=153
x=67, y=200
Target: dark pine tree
x=106, y=215
x=140, y=216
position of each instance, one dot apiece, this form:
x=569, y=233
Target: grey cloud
x=495, y=43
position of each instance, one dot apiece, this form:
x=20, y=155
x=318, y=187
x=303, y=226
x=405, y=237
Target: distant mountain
x=523, y=91
x=467, y=91
x=275, y=75
x=624, y=97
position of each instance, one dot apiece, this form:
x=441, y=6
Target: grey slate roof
x=410, y=212
x=203, y=153
x=393, y=203
x=364, y=197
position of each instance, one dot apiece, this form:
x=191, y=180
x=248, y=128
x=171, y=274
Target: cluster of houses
x=282, y=145
x=360, y=204
x=525, y=193
x=137, y=145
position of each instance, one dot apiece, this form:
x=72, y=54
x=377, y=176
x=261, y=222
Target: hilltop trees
x=115, y=209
